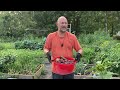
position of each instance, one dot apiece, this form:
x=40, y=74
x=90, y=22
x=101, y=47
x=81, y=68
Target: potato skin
x=63, y=60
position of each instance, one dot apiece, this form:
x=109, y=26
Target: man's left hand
x=78, y=56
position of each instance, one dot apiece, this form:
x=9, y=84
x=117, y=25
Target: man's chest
x=62, y=43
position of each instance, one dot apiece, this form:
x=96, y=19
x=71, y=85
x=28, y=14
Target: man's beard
x=63, y=30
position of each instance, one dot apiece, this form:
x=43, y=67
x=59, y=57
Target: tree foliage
x=14, y=23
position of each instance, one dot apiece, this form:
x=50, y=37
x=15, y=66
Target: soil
x=48, y=72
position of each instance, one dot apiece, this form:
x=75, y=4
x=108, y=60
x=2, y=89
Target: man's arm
x=47, y=52
x=78, y=49
x=47, y=48
x=78, y=55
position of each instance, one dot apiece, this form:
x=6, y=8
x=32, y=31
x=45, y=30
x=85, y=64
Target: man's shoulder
x=52, y=34
x=71, y=35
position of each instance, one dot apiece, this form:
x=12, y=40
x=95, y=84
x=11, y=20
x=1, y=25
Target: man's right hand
x=48, y=56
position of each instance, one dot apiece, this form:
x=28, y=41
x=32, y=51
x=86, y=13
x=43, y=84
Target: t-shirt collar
x=59, y=35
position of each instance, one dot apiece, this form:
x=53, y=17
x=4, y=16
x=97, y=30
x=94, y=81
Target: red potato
x=63, y=60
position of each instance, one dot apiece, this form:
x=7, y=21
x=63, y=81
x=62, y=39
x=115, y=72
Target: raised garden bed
x=36, y=75
x=116, y=37
x=82, y=77
x=89, y=77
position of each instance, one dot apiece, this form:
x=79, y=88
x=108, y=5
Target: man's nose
x=64, y=25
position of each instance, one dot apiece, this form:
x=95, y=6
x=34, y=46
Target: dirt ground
x=47, y=71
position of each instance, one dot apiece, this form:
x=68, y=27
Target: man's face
x=62, y=25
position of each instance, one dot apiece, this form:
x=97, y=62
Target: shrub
x=29, y=44
x=101, y=47
x=25, y=61
x=88, y=55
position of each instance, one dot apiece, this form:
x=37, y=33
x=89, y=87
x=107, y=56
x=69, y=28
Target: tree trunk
x=106, y=22
x=111, y=33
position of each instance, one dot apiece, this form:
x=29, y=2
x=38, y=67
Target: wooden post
x=69, y=28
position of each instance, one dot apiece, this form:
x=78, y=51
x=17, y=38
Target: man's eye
x=64, y=23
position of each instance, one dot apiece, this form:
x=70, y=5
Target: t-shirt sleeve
x=77, y=45
x=47, y=44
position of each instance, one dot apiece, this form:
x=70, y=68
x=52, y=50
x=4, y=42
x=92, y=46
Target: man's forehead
x=62, y=18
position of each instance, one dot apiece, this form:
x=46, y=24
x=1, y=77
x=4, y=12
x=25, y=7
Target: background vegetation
x=23, y=34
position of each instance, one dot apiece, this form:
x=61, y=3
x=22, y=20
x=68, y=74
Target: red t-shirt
x=62, y=46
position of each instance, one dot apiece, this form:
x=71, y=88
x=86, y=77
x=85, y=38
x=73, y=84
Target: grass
x=7, y=46
x=26, y=61
x=22, y=52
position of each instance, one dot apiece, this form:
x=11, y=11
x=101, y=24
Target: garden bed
x=36, y=75
x=83, y=77
x=89, y=77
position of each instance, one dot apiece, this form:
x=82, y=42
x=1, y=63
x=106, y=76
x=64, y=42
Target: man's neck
x=61, y=34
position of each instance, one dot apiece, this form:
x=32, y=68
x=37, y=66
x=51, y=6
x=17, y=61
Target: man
x=62, y=43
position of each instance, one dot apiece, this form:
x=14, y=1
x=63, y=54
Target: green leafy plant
x=4, y=61
x=25, y=61
x=88, y=55
x=30, y=44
